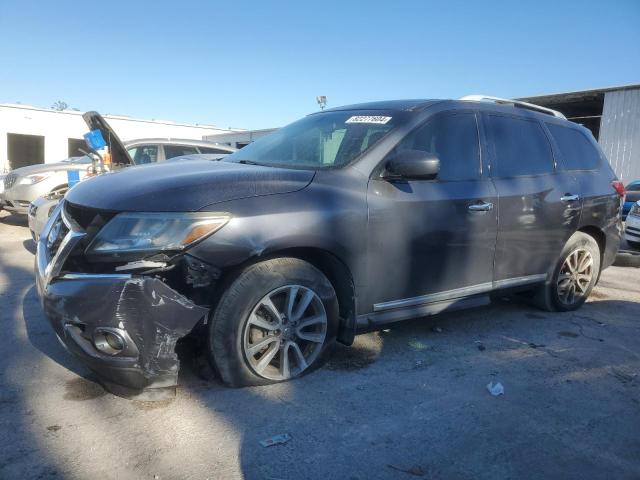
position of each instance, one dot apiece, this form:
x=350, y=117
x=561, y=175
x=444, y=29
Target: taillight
x=618, y=187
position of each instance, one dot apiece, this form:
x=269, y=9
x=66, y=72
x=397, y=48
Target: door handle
x=481, y=207
x=569, y=198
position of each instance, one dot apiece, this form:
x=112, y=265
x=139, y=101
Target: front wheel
x=574, y=276
x=272, y=323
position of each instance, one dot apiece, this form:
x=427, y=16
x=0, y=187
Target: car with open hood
x=23, y=185
x=42, y=207
x=345, y=221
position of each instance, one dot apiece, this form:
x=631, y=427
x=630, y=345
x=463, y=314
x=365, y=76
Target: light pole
x=322, y=101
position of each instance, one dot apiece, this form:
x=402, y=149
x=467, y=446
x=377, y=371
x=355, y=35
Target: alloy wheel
x=285, y=332
x=575, y=276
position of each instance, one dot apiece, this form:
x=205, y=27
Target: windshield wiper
x=247, y=162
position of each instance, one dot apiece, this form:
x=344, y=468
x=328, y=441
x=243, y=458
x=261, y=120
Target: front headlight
x=155, y=232
x=635, y=209
x=33, y=179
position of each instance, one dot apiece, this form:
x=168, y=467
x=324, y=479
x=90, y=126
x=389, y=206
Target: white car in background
x=23, y=185
x=41, y=208
x=632, y=226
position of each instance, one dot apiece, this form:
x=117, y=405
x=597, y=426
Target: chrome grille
x=9, y=180
x=55, y=236
x=58, y=240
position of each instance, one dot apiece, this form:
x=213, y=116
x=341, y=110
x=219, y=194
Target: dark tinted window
x=577, y=151
x=171, y=151
x=75, y=147
x=633, y=187
x=520, y=146
x=211, y=150
x=454, y=138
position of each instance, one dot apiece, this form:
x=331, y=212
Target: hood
x=48, y=167
x=119, y=154
x=184, y=186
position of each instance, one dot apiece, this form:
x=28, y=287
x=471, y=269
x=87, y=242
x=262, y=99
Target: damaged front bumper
x=145, y=315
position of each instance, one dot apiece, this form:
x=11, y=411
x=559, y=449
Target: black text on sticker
x=368, y=119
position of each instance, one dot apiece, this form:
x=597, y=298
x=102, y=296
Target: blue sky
x=261, y=64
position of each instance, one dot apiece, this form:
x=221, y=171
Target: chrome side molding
x=459, y=292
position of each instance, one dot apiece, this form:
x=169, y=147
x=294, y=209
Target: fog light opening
x=110, y=342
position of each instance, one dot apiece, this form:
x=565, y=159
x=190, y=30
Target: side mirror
x=414, y=164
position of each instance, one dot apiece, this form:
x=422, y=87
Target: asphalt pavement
x=407, y=402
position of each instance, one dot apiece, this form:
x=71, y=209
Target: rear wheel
x=574, y=276
x=272, y=323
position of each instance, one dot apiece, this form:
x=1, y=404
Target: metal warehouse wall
x=620, y=133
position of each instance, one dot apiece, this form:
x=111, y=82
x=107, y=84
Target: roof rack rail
x=515, y=103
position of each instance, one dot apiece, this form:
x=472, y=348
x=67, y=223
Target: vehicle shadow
x=30, y=246
x=15, y=220
x=379, y=404
x=408, y=398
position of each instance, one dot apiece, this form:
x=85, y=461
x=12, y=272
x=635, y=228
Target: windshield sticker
x=368, y=119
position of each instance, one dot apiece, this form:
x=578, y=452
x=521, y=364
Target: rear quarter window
x=578, y=153
x=212, y=150
x=172, y=151
x=521, y=147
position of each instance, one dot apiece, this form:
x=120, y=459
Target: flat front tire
x=272, y=323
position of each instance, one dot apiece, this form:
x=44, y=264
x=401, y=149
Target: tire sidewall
x=577, y=240
x=228, y=323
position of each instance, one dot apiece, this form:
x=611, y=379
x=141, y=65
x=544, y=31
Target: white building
x=30, y=135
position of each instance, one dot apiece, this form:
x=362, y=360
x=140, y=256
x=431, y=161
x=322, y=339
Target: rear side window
x=454, y=138
x=172, y=151
x=520, y=147
x=577, y=151
x=212, y=150
x=144, y=154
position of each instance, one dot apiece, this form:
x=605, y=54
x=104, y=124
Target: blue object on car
x=73, y=177
x=95, y=140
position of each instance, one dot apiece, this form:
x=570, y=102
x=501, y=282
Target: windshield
x=324, y=140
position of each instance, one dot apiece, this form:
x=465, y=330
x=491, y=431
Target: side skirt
x=375, y=319
x=425, y=305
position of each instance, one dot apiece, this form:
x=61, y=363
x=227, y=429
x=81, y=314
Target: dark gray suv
x=344, y=221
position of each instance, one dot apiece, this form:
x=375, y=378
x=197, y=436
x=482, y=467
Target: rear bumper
x=613, y=234
x=632, y=229
x=147, y=314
